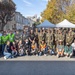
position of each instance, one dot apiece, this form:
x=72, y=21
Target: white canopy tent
x=65, y=24
x=46, y=24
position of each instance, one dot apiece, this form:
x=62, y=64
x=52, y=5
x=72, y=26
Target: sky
x=30, y=7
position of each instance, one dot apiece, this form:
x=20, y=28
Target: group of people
x=60, y=42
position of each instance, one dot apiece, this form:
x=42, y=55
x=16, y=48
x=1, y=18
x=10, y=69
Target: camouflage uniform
x=40, y=37
x=60, y=37
x=49, y=39
x=44, y=36
x=69, y=39
x=56, y=38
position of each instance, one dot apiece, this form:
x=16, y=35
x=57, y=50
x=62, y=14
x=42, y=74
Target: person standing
x=60, y=36
x=24, y=35
x=17, y=37
x=69, y=38
x=11, y=37
x=4, y=40
x=40, y=36
x=44, y=35
x=0, y=43
x=31, y=37
x=56, y=37
x=73, y=47
x=36, y=37
x=49, y=39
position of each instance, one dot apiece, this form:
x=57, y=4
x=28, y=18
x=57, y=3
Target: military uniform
x=73, y=34
x=56, y=39
x=69, y=39
x=49, y=39
x=60, y=37
x=40, y=37
x=44, y=36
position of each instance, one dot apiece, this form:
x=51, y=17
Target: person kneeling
x=42, y=48
x=26, y=46
x=60, y=49
x=33, y=48
x=20, y=48
x=7, y=50
x=13, y=48
x=68, y=50
x=51, y=50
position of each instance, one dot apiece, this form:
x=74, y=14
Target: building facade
x=20, y=21
x=33, y=19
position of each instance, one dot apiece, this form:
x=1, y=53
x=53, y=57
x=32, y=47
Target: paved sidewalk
x=39, y=58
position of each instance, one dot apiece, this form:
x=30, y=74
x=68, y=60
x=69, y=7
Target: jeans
x=8, y=55
x=0, y=48
x=3, y=46
x=14, y=53
x=52, y=52
x=73, y=52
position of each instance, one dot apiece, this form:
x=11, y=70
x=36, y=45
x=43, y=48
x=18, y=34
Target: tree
x=70, y=15
x=36, y=23
x=48, y=13
x=6, y=13
x=57, y=10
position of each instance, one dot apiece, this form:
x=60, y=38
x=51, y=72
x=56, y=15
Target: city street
x=37, y=68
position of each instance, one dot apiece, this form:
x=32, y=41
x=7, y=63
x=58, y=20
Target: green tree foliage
x=7, y=11
x=58, y=10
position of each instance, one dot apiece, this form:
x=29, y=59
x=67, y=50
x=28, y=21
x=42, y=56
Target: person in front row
x=60, y=49
x=26, y=46
x=73, y=47
x=34, y=48
x=42, y=48
x=68, y=50
x=13, y=48
x=20, y=48
x=7, y=49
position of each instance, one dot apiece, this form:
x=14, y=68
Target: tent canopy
x=46, y=24
x=65, y=24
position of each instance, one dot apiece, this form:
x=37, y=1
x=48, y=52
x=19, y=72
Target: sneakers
x=57, y=55
x=5, y=57
x=36, y=54
x=44, y=54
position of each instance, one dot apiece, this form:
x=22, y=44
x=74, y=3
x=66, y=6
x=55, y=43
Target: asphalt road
x=37, y=68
